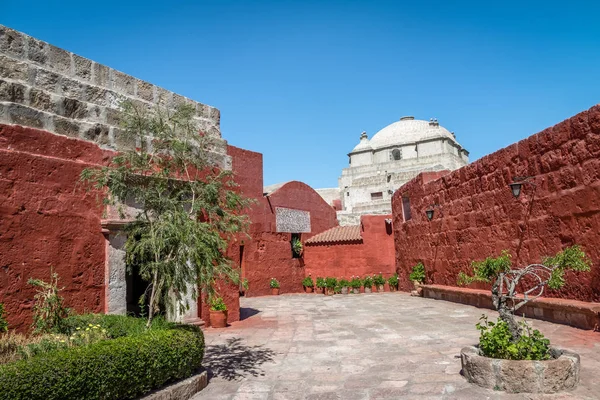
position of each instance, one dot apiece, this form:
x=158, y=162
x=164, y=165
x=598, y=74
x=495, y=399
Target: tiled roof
x=337, y=235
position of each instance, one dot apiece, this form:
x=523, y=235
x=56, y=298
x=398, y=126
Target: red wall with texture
x=343, y=260
x=266, y=253
x=47, y=220
x=479, y=217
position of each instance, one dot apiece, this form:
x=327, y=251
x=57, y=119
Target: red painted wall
x=373, y=256
x=479, y=217
x=47, y=220
x=267, y=254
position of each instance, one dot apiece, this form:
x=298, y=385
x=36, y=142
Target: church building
x=392, y=157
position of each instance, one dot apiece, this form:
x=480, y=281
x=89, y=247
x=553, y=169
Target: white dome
x=409, y=130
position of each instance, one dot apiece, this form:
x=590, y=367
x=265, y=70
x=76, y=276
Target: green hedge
x=122, y=368
x=115, y=325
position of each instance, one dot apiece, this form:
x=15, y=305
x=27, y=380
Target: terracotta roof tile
x=337, y=235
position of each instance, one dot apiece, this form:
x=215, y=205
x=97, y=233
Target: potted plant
x=320, y=285
x=511, y=356
x=337, y=289
x=330, y=284
x=297, y=246
x=368, y=284
x=218, y=313
x=355, y=284
x=417, y=276
x=393, y=282
x=308, y=284
x=379, y=281
x=344, y=285
x=274, y=286
x=245, y=286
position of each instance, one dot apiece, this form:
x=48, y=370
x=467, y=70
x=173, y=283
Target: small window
x=396, y=154
x=296, y=248
x=347, y=193
x=406, y=208
x=377, y=196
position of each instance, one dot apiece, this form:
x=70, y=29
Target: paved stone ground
x=375, y=346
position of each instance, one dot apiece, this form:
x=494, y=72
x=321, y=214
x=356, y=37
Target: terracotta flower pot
x=218, y=319
x=355, y=290
x=344, y=290
x=319, y=290
x=380, y=288
x=308, y=289
x=368, y=289
x=275, y=291
x=393, y=288
x=330, y=291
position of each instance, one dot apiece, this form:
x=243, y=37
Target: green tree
x=530, y=281
x=186, y=208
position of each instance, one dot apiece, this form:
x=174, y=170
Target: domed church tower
x=392, y=157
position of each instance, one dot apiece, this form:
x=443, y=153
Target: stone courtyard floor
x=375, y=346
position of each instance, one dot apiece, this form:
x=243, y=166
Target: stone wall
x=478, y=216
x=45, y=87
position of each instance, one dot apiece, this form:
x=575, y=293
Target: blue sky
x=300, y=80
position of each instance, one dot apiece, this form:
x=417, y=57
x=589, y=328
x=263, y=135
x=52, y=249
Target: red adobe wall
x=479, y=217
x=266, y=253
x=343, y=260
x=47, y=220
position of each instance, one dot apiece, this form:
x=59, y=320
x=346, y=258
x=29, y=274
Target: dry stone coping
x=522, y=376
x=182, y=390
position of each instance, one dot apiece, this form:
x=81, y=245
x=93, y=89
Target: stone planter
x=418, y=292
x=218, y=319
x=368, y=290
x=380, y=288
x=549, y=376
x=275, y=291
x=329, y=291
x=355, y=290
x=308, y=289
x=344, y=290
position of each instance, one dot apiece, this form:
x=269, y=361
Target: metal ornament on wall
x=517, y=185
x=431, y=211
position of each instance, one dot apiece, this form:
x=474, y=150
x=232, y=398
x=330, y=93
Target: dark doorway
x=242, y=271
x=136, y=287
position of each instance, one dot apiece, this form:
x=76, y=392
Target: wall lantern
x=517, y=185
x=430, y=211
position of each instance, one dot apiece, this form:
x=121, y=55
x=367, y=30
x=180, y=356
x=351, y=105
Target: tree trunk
x=152, y=299
x=499, y=301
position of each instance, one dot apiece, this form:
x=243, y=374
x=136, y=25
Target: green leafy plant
x=49, y=311
x=308, y=282
x=495, y=341
x=330, y=282
x=3, y=322
x=297, y=246
x=337, y=289
x=344, y=283
x=115, y=325
x=10, y=343
x=355, y=282
x=530, y=280
x=418, y=273
x=274, y=283
x=188, y=210
x=378, y=280
x=245, y=284
x=393, y=280
x=217, y=304
x=367, y=281
x=123, y=368
x=321, y=282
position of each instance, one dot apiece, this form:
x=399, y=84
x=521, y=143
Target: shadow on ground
x=247, y=312
x=234, y=360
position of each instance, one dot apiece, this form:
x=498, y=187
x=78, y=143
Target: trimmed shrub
x=115, y=325
x=122, y=368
